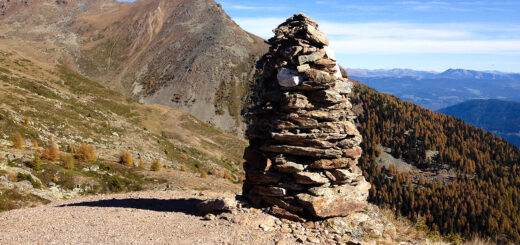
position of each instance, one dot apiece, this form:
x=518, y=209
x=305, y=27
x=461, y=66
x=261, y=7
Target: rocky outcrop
x=304, y=146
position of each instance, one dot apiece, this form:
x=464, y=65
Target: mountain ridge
x=183, y=54
x=452, y=73
x=439, y=90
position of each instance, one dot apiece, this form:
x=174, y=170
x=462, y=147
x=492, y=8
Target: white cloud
x=406, y=38
x=407, y=46
x=262, y=27
x=377, y=30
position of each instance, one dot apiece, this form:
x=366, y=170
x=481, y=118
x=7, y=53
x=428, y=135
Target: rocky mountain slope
x=502, y=118
x=183, y=54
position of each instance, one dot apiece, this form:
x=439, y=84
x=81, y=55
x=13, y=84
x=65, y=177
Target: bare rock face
x=304, y=145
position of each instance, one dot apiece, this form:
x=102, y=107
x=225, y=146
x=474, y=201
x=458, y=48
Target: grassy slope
x=39, y=100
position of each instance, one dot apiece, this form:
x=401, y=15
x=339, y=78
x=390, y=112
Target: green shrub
x=68, y=161
x=115, y=184
x=22, y=177
x=36, y=163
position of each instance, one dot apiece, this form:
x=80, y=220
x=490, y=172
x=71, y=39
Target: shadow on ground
x=186, y=206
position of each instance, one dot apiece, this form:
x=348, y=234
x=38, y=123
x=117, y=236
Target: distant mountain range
x=502, y=118
x=436, y=90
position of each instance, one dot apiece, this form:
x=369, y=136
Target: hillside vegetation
x=67, y=135
x=502, y=118
x=484, y=196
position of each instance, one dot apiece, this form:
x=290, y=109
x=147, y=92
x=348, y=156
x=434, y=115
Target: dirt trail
x=152, y=217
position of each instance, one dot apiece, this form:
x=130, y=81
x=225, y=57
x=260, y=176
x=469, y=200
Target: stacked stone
x=304, y=146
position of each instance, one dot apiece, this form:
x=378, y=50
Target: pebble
x=209, y=217
x=313, y=240
x=286, y=230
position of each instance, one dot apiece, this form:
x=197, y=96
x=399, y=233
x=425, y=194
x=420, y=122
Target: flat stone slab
x=332, y=163
x=334, y=202
x=310, y=178
x=303, y=151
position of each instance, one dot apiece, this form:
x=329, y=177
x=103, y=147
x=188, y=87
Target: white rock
x=288, y=78
x=329, y=53
x=338, y=72
x=343, y=86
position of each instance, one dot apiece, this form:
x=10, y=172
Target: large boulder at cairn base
x=304, y=145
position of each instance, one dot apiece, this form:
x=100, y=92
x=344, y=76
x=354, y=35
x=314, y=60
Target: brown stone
x=353, y=152
x=358, y=191
x=292, y=186
x=264, y=178
x=342, y=127
x=303, y=68
x=216, y=205
x=308, y=50
x=316, y=36
x=326, y=96
x=310, y=178
x=303, y=59
x=269, y=191
x=319, y=76
x=350, y=142
x=256, y=160
x=289, y=167
x=325, y=63
x=332, y=115
x=332, y=163
x=303, y=122
x=330, y=207
x=291, y=51
x=303, y=151
x=283, y=204
x=330, y=176
x=309, y=86
x=282, y=213
x=335, y=201
x=295, y=101
x=301, y=139
x=345, y=175
x=290, y=137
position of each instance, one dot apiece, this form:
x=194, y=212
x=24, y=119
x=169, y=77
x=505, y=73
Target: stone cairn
x=304, y=146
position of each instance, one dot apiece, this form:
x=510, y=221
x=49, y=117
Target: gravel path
x=152, y=217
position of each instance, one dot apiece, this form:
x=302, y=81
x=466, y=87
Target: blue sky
x=421, y=35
